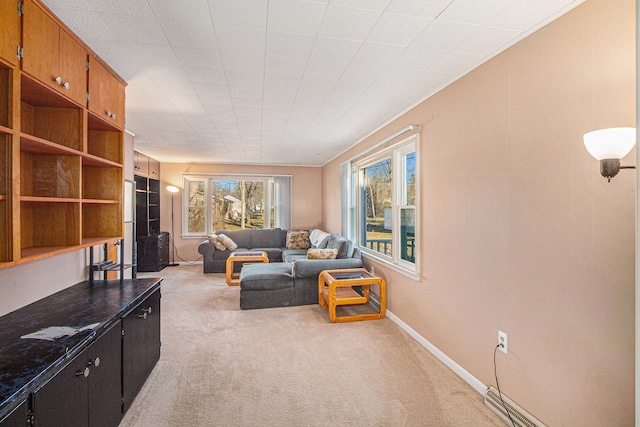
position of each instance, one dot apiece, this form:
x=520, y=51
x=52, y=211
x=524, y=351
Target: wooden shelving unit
x=61, y=140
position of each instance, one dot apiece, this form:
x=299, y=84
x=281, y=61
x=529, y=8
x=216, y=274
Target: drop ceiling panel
x=271, y=82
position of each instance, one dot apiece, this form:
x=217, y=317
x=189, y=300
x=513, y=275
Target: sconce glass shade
x=612, y=143
x=172, y=189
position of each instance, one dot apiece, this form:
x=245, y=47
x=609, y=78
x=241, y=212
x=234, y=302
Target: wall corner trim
x=450, y=363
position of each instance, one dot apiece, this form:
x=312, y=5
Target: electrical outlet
x=502, y=341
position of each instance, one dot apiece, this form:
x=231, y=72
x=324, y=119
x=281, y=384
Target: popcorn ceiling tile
x=242, y=13
x=293, y=16
x=427, y=9
x=454, y=61
x=377, y=5
x=123, y=7
x=203, y=58
x=473, y=11
x=377, y=54
x=195, y=33
x=332, y=49
x=285, y=66
x=288, y=44
x=418, y=58
x=393, y=28
x=348, y=23
x=206, y=75
x=150, y=54
x=68, y=5
x=444, y=35
x=238, y=39
x=137, y=29
x=324, y=70
x=166, y=73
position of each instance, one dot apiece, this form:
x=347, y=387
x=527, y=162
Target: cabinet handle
x=82, y=372
x=110, y=114
x=58, y=80
x=66, y=85
x=95, y=362
x=146, y=312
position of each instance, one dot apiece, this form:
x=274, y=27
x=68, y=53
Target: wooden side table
x=233, y=279
x=335, y=289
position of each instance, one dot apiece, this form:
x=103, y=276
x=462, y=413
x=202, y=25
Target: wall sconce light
x=173, y=190
x=609, y=146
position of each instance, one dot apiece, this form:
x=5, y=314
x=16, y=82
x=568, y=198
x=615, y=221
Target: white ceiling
x=287, y=82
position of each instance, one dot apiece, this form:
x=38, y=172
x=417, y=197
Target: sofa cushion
x=258, y=277
x=266, y=238
x=241, y=237
x=274, y=254
x=315, y=253
x=298, y=240
x=335, y=241
x=292, y=255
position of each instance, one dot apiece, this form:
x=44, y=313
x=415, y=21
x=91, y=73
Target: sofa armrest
x=313, y=267
x=207, y=249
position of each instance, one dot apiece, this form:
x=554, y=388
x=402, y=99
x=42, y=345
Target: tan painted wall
x=520, y=233
x=306, y=196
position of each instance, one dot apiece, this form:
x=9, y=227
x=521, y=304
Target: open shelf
x=102, y=220
x=102, y=183
x=5, y=99
x=50, y=175
x=49, y=223
x=4, y=234
x=104, y=140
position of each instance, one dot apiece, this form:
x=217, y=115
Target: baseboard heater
x=521, y=418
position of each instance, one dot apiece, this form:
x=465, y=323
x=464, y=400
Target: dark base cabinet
x=153, y=252
x=140, y=346
x=18, y=418
x=87, y=391
x=96, y=378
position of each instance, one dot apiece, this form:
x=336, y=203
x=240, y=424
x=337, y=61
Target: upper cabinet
x=106, y=94
x=61, y=160
x=53, y=56
x=9, y=31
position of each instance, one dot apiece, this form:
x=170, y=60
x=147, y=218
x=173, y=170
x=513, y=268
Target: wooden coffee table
x=245, y=257
x=335, y=289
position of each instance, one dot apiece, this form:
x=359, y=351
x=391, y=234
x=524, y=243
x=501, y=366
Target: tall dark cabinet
x=152, y=245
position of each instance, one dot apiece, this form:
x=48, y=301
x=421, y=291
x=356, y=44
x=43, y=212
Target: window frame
x=208, y=193
x=356, y=226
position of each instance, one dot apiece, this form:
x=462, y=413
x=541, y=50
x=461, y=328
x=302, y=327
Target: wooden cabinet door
x=140, y=166
x=9, y=30
x=63, y=400
x=104, y=386
x=73, y=68
x=140, y=346
x=53, y=56
x=106, y=94
x=41, y=40
x=154, y=168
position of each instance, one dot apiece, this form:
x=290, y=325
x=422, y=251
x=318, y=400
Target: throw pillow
x=298, y=240
x=227, y=242
x=322, y=253
x=215, y=241
x=316, y=237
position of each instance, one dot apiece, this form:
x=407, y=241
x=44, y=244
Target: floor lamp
x=173, y=190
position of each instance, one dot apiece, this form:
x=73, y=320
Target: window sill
x=412, y=274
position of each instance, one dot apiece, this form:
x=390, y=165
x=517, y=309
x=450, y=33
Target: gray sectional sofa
x=290, y=278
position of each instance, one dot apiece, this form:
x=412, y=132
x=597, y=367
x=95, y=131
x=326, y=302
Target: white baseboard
x=459, y=370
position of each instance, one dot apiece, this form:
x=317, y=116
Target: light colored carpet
x=290, y=366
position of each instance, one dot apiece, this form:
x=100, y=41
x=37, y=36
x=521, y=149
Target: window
x=233, y=202
x=381, y=203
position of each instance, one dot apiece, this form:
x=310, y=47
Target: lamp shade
x=172, y=189
x=612, y=143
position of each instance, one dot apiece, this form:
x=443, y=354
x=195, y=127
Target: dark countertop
x=84, y=310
